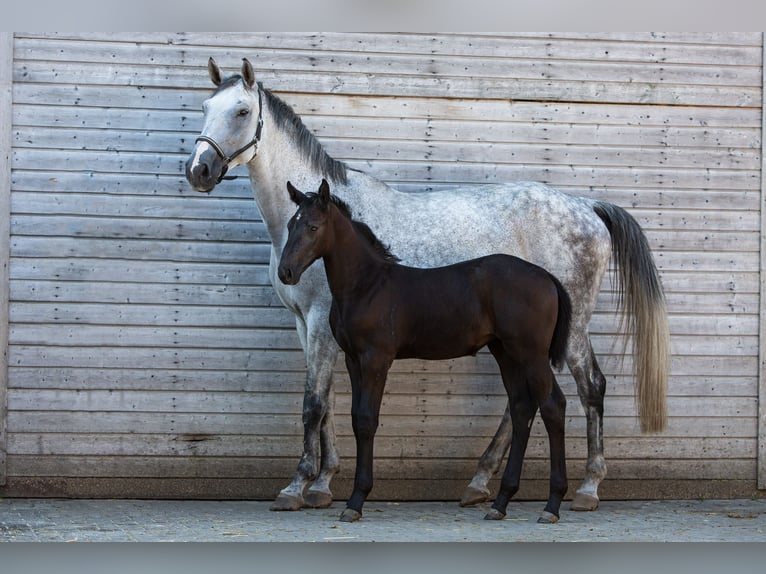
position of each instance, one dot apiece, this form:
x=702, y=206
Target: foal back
x=454, y=311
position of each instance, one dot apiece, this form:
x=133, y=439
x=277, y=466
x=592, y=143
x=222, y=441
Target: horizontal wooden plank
x=732, y=361
x=238, y=445
x=708, y=48
x=281, y=403
x=385, y=469
x=400, y=380
x=600, y=83
x=35, y=107
x=261, y=467
x=431, y=150
x=385, y=490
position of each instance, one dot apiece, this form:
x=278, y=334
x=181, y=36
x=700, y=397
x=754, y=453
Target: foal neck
x=351, y=261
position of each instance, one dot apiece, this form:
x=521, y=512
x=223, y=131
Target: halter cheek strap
x=227, y=159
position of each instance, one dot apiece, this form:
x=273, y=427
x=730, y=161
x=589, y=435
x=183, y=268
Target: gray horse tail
x=641, y=304
x=557, y=352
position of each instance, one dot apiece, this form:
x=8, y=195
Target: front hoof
x=473, y=496
x=317, y=499
x=287, y=502
x=584, y=502
x=547, y=518
x=494, y=514
x=350, y=515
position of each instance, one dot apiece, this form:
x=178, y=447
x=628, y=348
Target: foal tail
x=642, y=303
x=557, y=352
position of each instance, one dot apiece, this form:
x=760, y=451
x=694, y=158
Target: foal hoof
x=350, y=515
x=584, y=502
x=473, y=496
x=494, y=514
x=287, y=502
x=317, y=499
x=547, y=518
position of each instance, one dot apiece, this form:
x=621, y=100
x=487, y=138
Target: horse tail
x=641, y=303
x=557, y=352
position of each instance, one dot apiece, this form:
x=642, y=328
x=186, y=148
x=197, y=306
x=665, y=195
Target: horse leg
x=367, y=383
x=591, y=387
x=318, y=428
x=553, y=413
x=489, y=463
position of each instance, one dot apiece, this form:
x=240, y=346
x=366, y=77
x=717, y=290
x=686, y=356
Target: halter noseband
x=227, y=159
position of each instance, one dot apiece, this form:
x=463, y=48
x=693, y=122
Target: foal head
x=309, y=232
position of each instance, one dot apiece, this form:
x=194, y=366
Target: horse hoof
x=584, y=502
x=350, y=515
x=547, y=518
x=473, y=496
x=287, y=502
x=317, y=499
x=494, y=514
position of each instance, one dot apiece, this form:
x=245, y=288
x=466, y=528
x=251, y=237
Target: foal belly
x=436, y=341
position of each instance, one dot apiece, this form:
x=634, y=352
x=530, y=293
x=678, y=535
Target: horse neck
x=278, y=161
x=350, y=262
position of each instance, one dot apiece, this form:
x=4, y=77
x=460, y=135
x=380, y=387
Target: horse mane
x=287, y=120
x=364, y=230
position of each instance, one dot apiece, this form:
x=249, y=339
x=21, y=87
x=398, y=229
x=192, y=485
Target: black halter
x=227, y=159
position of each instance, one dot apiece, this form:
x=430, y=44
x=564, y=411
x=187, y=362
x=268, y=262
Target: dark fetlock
x=350, y=515
x=547, y=518
x=494, y=514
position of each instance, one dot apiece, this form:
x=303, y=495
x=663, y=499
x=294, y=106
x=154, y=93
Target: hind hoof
x=350, y=515
x=584, y=502
x=473, y=496
x=317, y=499
x=287, y=502
x=494, y=514
x=547, y=518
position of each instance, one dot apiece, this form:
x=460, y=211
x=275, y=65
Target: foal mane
x=364, y=230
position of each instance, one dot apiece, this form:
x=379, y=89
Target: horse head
x=231, y=128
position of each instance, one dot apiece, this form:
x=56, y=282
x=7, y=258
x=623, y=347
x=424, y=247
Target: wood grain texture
x=150, y=356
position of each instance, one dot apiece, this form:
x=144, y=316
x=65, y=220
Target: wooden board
x=148, y=350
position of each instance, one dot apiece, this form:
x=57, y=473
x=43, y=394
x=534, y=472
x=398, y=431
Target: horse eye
x=313, y=228
x=244, y=112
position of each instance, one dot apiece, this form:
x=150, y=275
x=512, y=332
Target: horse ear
x=214, y=71
x=324, y=192
x=247, y=72
x=295, y=194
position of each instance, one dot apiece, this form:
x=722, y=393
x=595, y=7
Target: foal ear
x=295, y=194
x=247, y=72
x=324, y=192
x=214, y=71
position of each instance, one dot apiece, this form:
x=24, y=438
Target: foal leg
x=368, y=379
x=318, y=427
x=522, y=412
x=553, y=411
x=591, y=387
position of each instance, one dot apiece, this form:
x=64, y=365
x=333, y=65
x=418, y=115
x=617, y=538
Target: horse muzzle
x=204, y=173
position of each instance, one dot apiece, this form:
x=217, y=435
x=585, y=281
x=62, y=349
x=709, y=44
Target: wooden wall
x=149, y=356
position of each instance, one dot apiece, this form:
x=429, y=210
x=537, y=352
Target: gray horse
x=572, y=237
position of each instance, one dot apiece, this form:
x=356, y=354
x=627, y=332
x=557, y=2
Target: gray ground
x=53, y=520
